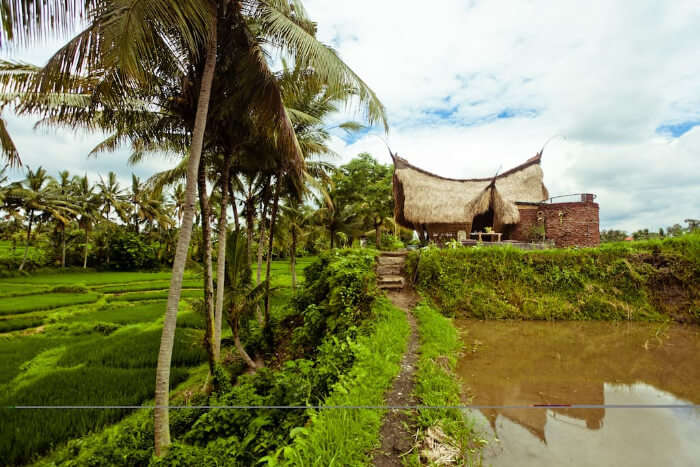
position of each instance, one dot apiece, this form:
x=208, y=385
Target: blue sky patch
x=677, y=129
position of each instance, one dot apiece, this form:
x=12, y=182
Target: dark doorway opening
x=482, y=221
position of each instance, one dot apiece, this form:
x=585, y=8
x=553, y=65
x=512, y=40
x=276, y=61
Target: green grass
x=145, y=286
x=6, y=250
x=48, y=301
x=347, y=436
x=647, y=281
x=153, y=295
x=98, y=347
x=436, y=385
x=15, y=290
x=121, y=313
x=91, y=278
x=25, y=433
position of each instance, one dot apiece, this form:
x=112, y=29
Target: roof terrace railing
x=583, y=198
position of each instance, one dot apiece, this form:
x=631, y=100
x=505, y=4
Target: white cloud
x=603, y=74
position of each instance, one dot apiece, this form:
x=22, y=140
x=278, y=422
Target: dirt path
x=396, y=433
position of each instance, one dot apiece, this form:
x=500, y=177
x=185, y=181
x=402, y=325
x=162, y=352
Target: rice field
x=91, y=339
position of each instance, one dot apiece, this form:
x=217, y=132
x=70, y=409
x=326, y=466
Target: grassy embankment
x=653, y=280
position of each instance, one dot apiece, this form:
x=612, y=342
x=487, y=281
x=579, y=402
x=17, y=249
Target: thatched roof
x=425, y=198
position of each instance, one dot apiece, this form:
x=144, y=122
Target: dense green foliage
x=649, y=280
x=436, y=385
x=129, y=251
x=342, y=346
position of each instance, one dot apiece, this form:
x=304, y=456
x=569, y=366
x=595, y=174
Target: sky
x=471, y=87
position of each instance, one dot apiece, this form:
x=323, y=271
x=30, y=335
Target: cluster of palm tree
x=192, y=79
x=39, y=200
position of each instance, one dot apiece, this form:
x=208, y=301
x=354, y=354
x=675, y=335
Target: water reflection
x=525, y=363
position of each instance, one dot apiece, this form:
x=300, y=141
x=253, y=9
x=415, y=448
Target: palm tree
x=296, y=218
x=64, y=186
x=36, y=195
x=241, y=296
x=87, y=203
x=112, y=197
x=178, y=197
x=336, y=218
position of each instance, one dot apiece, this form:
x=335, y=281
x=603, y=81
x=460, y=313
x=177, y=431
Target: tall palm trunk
x=234, y=323
x=234, y=207
x=86, y=249
x=109, y=209
x=332, y=238
x=293, y=259
x=161, y=415
x=378, y=234
x=249, y=228
x=261, y=241
x=29, y=237
x=273, y=218
x=205, y=209
x=221, y=257
x=63, y=245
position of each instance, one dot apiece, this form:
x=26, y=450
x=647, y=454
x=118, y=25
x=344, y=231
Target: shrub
x=129, y=251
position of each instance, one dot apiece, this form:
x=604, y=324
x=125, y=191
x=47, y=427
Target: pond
x=525, y=363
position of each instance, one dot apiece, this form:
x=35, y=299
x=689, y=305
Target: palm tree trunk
x=236, y=221
x=221, y=257
x=108, y=233
x=332, y=237
x=239, y=346
x=273, y=218
x=261, y=240
x=378, y=235
x=249, y=228
x=29, y=236
x=208, y=280
x=63, y=246
x=162, y=393
x=293, y=259
x=86, y=249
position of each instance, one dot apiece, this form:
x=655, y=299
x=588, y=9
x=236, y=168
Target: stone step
x=393, y=253
x=391, y=282
x=391, y=260
x=389, y=270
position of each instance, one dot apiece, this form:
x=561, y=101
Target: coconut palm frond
x=8, y=150
x=284, y=23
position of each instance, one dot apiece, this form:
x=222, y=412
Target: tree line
x=675, y=230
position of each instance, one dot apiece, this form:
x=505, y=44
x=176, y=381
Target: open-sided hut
x=439, y=207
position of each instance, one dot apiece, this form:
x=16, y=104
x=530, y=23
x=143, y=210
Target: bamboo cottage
x=513, y=206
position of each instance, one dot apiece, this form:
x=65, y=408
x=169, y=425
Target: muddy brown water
x=594, y=363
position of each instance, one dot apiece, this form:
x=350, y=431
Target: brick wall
x=567, y=224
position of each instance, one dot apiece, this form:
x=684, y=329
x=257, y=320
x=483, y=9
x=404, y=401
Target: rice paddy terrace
x=90, y=339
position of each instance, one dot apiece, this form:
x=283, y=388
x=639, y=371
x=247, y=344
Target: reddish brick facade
x=567, y=224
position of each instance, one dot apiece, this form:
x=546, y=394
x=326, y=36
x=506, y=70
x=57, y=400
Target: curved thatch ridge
x=423, y=198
